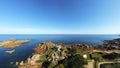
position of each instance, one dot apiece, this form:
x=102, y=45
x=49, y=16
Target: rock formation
x=45, y=54
x=12, y=43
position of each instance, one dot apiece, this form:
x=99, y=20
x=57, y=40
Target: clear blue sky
x=59, y=16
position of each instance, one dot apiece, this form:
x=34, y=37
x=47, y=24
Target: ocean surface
x=24, y=51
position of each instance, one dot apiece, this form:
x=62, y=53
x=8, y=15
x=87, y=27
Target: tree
x=76, y=61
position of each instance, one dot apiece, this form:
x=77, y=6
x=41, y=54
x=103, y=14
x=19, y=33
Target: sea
x=26, y=50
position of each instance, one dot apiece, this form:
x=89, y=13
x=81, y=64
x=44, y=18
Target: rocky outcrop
x=12, y=43
x=43, y=47
x=10, y=51
x=109, y=45
x=84, y=47
x=45, y=52
x=30, y=62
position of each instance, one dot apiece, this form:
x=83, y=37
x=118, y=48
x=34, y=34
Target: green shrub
x=76, y=61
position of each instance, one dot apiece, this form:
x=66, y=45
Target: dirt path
x=90, y=64
x=106, y=62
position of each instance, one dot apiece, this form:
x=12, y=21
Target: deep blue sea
x=24, y=51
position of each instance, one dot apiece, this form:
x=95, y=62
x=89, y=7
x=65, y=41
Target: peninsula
x=51, y=55
x=12, y=43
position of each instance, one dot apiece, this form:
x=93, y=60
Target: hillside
x=50, y=55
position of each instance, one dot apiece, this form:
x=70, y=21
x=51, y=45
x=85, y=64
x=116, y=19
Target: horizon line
x=60, y=34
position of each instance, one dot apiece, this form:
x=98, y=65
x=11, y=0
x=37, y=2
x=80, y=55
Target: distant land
x=12, y=43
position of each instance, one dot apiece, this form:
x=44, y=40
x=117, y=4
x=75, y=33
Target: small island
x=12, y=43
x=10, y=51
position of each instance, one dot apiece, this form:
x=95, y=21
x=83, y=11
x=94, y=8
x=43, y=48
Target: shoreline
x=83, y=50
x=49, y=52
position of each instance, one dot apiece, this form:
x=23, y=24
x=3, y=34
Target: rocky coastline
x=109, y=45
x=51, y=55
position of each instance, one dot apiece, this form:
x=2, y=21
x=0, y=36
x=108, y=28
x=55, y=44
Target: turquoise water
x=26, y=50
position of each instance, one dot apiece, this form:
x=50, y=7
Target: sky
x=59, y=16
